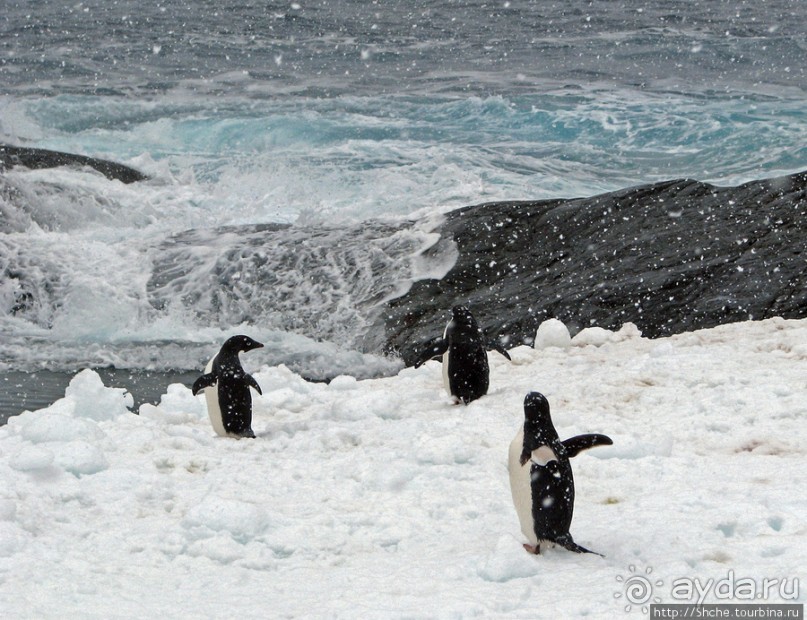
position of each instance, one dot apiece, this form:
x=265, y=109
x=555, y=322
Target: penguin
x=541, y=478
x=226, y=386
x=465, y=361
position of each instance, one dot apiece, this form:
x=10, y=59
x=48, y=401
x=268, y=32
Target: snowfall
x=382, y=499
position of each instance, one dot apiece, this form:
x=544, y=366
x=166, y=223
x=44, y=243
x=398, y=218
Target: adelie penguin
x=466, y=374
x=541, y=478
x=226, y=386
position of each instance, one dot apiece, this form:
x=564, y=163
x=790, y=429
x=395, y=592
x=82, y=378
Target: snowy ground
x=380, y=499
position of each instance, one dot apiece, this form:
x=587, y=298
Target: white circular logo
x=637, y=589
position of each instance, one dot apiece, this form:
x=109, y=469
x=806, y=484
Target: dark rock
x=669, y=257
x=36, y=159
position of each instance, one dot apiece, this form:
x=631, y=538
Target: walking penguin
x=466, y=374
x=226, y=386
x=541, y=478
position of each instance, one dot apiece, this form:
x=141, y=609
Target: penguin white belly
x=520, y=487
x=520, y=481
x=446, y=384
x=212, y=400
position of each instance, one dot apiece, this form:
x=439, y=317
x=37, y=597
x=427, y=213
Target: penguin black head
x=239, y=344
x=537, y=421
x=462, y=321
x=461, y=314
x=536, y=408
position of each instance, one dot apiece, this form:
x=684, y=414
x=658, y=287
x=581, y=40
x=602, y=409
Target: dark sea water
x=326, y=138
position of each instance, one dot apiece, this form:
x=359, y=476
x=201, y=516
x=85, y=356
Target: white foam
x=84, y=246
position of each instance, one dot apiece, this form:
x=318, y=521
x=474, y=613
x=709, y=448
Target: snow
x=379, y=498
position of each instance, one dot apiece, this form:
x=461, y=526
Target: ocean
x=301, y=153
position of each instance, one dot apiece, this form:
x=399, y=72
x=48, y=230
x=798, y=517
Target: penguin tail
x=242, y=434
x=567, y=543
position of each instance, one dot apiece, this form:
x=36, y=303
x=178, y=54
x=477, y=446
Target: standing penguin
x=541, y=478
x=465, y=361
x=226, y=386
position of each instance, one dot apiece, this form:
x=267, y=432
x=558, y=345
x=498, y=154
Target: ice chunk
x=343, y=383
x=31, y=458
x=92, y=399
x=179, y=398
x=552, y=333
x=243, y=521
x=80, y=458
x=508, y=561
x=12, y=539
x=597, y=336
x=42, y=427
x=8, y=510
x=594, y=336
x=164, y=415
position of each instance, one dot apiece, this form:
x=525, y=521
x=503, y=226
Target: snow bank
x=380, y=498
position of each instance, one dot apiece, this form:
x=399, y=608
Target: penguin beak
x=254, y=345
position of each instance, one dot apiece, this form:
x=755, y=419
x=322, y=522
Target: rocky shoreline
x=670, y=257
x=35, y=159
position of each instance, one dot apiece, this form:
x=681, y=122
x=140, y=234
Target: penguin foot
x=533, y=549
x=247, y=434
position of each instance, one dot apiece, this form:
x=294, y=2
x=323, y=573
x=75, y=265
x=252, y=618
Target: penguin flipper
x=434, y=347
x=566, y=542
x=203, y=382
x=251, y=381
x=575, y=445
x=494, y=344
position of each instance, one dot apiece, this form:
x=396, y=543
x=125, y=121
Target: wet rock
x=670, y=257
x=35, y=159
